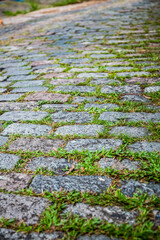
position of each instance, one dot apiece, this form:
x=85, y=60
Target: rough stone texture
x=156, y=214
x=142, y=80
x=82, y=89
x=14, y=181
x=126, y=74
x=50, y=163
x=96, y=237
x=42, y=183
x=16, y=106
x=130, y=131
x=27, y=129
x=64, y=81
x=93, y=144
x=29, y=89
x=88, y=130
x=102, y=81
x=145, y=146
x=9, y=97
x=22, y=207
x=22, y=78
x=120, y=165
x=134, y=89
x=43, y=96
x=130, y=187
x=137, y=116
x=22, y=115
x=101, y=106
x=8, y=161
x=3, y=140
x=82, y=99
x=92, y=75
x=59, y=106
x=23, y=84
x=110, y=214
x=135, y=98
x=152, y=89
x=36, y=144
x=8, y=234
x=77, y=117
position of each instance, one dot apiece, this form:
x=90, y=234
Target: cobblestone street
x=80, y=122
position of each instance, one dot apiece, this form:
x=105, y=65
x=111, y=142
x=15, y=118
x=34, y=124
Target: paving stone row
x=89, y=88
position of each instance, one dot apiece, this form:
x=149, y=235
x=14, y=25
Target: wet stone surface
x=14, y=181
x=22, y=207
x=27, y=129
x=111, y=214
x=35, y=144
x=79, y=183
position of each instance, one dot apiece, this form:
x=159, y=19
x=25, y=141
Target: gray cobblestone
x=88, y=130
x=79, y=183
x=22, y=207
x=22, y=115
x=36, y=144
x=77, y=117
x=26, y=129
x=93, y=144
x=8, y=161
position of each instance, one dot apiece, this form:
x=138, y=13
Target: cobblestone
x=81, y=89
x=14, y=181
x=51, y=164
x=88, y=130
x=130, y=131
x=110, y=214
x=8, y=161
x=27, y=129
x=74, y=81
x=142, y=116
x=93, y=144
x=134, y=89
x=145, y=146
x=22, y=207
x=79, y=183
x=77, y=117
x=43, y=96
x=6, y=234
x=22, y=115
x=124, y=164
x=35, y=144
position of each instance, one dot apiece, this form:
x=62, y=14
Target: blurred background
x=15, y=7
